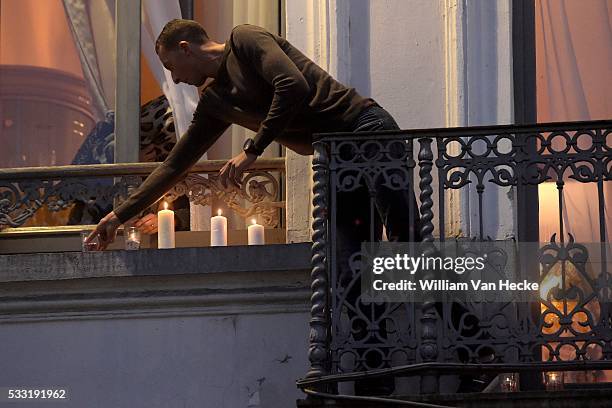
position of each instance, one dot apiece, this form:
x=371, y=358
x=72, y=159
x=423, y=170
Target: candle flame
x=219, y=211
x=254, y=221
x=165, y=205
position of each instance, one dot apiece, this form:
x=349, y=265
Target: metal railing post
x=318, y=348
x=429, y=346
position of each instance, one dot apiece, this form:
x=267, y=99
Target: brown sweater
x=264, y=84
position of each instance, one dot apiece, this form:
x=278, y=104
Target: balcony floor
x=587, y=398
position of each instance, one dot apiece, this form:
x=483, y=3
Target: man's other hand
x=234, y=168
x=106, y=231
x=147, y=224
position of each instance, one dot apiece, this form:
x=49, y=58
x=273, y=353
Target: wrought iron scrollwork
x=258, y=188
x=20, y=199
x=574, y=322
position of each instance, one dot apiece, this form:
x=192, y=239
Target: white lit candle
x=509, y=382
x=165, y=228
x=256, y=234
x=218, y=230
x=554, y=381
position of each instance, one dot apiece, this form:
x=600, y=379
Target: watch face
x=249, y=147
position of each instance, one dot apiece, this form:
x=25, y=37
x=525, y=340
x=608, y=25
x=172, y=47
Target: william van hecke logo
x=468, y=270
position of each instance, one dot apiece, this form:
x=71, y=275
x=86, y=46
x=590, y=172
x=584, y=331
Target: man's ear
x=184, y=46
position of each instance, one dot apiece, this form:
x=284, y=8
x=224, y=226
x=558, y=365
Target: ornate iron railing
x=24, y=191
x=570, y=329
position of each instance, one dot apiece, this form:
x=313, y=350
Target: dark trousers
x=396, y=209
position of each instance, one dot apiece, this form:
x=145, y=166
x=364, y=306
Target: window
x=57, y=86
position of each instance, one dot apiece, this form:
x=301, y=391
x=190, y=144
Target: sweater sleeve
x=202, y=133
x=262, y=52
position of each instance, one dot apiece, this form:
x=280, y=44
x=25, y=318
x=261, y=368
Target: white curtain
x=183, y=98
x=92, y=24
x=574, y=71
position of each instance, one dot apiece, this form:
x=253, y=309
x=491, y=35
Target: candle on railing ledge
x=553, y=380
x=132, y=239
x=255, y=234
x=218, y=230
x=508, y=382
x=165, y=228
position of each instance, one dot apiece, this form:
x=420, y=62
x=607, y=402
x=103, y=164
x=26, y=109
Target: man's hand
x=106, y=231
x=147, y=224
x=234, y=168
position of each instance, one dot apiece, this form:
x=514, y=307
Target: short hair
x=178, y=30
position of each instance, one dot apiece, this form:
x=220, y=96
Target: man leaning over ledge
x=263, y=83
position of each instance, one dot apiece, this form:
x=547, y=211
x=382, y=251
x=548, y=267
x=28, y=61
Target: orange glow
x=555, y=312
x=46, y=33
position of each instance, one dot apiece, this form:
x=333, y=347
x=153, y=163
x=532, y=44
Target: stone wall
x=193, y=327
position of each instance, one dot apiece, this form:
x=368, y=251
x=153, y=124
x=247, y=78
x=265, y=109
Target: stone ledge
x=228, y=280
x=152, y=262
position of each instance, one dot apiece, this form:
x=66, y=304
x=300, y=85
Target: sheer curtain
x=182, y=98
x=92, y=24
x=574, y=71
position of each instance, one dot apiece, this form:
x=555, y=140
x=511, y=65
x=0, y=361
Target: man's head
x=181, y=47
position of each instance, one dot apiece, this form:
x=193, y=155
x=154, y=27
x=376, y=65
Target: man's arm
x=200, y=136
x=260, y=50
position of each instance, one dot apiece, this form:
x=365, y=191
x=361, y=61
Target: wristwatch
x=249, y=147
